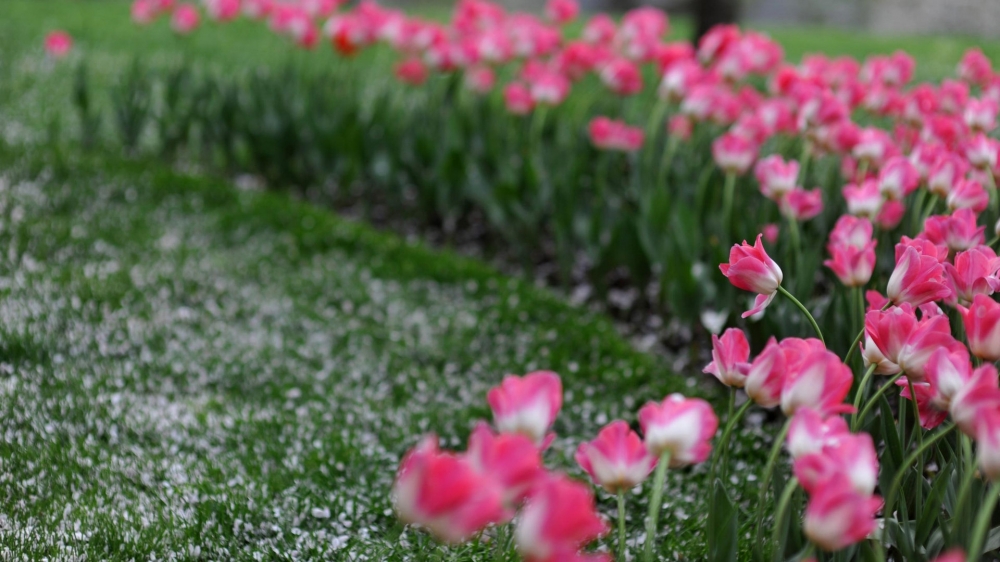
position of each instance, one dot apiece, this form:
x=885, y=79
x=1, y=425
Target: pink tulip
x=185, y=19
x=948, y=372
x=801, y=205
x=958, y=232
x=981, y=115
x=947, y=170
x=222, y=10
x=775, y=176
x=682, y=427
x=527, y=405
x=929, y=414
x=644, y=21
x=847, y=458
x=622, y=77
x=730, y=358
x=890, y=215
x=719, y=40
x=872, y=355
x=480, y=79
x=918, y=278
x=679, y=80
x=257, y=9
x=517, y=99
x=608, y=134
x=549, y=88
x=897, y=178
x=58, y=44
x=751, y=269
x=511, y=460
x=974, y=273
x=444, y=494
x=988, y=444
x=929, y=335
x=874, y=145
x=144, y=11
x=852, y=265
x=562, y=11
x=809, y=432
x=837, y=516
x=982, y=152
x=975, y=67
x=558, y=520
x=864, y=200
x=733, y=153
x=679, y=126
x=968, y=194
x=617, y=460
x=411, y=71
x=600, y=29
x=956, y=555
x=818, y=381
x=977, y=396
x=767, y=376
x=982, y=327
x=770, y=232
x=954, y=95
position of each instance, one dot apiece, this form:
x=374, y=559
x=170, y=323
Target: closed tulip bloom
x=185, y=19
x=957, y=555
x=948, y=372
x=411, y=71
x=848, y=457
x=981, y=115
x=890, y=215
x=751, y=269
x=562, y=11
x=617, y=460
x=898, y=178
x=558, y=520
x=801, y=205
x=730, y=358
x=988, y=443
x=929, y=415
x=947, y=170
x=600, y=29
x=820, y=382
x=929, y=335
x=549, y=88
x=58, y=44
x=480, y=79
x=973, y=273
x=958, y=231
x=853, y=266
x=527, y=405
x=766, y=376
x=144, y=11
x=622, y=77
x=975, y=67
x=838, y=516
x=775, y=176
x=872, y=355
x=511, y=460
x=977, y=395
x=681, y=426
x=517, y=98
x=733, y=153
x=222, y=10
x=445, y=494
x=918, y=278
x=874, y=145
x=968, y=194
x=864, y=200
x=982, y=327
x=809, y=431
x=888, y=329
x=982, y=152
x=609, y=134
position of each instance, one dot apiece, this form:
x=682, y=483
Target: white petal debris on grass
x=184, y=376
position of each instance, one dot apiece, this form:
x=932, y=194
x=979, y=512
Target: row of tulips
x=507, y=119
x=835, y=458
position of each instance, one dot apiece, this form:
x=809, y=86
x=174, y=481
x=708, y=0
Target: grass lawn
x=193, y=371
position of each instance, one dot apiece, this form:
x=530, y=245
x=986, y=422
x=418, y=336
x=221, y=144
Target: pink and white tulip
x=730, y=358
x=751, y=269
x=527, y=405
x=617, y=460
x=678, y=426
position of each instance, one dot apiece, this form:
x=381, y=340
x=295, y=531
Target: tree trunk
x=709, y=13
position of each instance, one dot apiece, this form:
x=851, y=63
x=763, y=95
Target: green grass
x=187, y=368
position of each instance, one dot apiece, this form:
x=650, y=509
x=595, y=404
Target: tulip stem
x=861, y=393
x=779, y=518
x=860, y=418
x=765, y=482
x=850, y=352
x=983, y=521
x=966, y=488
x=621, y=525
x=722, y=451
x=655, y=504
x=672, y=143
x=804, y=310
x=728, y=194
x=898, y=480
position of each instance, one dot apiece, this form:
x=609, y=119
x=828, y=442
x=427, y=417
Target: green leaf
x=721, y=528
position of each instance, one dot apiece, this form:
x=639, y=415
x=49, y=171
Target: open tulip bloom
x=886, y=189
